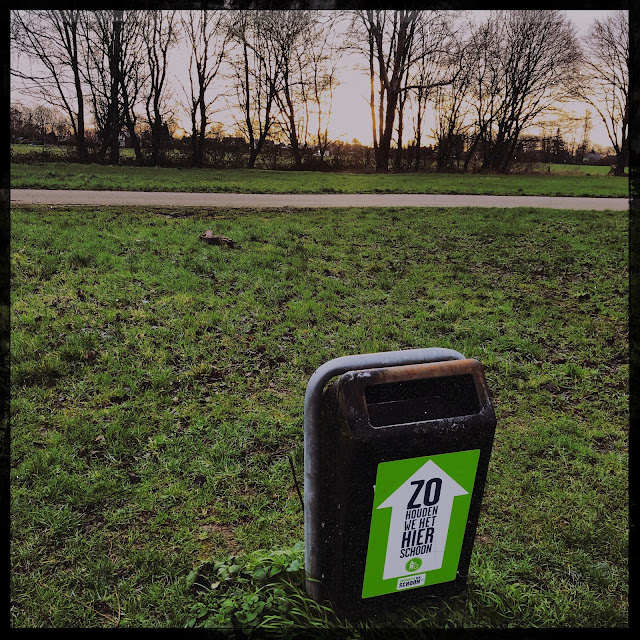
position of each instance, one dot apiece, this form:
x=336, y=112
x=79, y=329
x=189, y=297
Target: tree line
x=487, y=82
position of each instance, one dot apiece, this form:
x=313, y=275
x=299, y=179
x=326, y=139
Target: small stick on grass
x=118, y=599
x=295, y=481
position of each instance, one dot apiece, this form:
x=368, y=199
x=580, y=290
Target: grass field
x=157, y=403
x=58, y=175
x=577, y=169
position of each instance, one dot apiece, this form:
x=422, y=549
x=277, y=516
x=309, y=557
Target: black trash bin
x=397, y=483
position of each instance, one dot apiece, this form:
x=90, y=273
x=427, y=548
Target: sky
x=350, y=110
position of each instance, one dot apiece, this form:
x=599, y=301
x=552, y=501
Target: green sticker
x=420, y=509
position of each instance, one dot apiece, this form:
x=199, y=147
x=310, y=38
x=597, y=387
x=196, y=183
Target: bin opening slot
x=424, y=399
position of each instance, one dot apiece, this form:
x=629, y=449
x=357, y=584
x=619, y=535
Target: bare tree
x=431, y=70
x=18, y=118
x=388, y=39
x=586, y=132
x=480, y=62
x=52, y=38
x=159, y=35
x=451, y=107
x=207, y=36
x=402, y=100
x=524, y=66
x=257, y=74
x=427, y=69
x=133, y=74
x=323, y=57
x=288, y=33
x=571, y=125
x=115, y=72
x=308, y=58
x=430, y=74
x=604, y=80
x=38, y=123
x=102, y=31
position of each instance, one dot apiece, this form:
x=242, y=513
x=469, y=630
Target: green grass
x=578, y=169
x=157, y=394
x=54, y=175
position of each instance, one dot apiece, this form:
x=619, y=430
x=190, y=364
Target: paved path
x=302, y=201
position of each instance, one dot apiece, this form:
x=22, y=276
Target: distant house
x=591, y=156
x=327, y=152
x=124, y=140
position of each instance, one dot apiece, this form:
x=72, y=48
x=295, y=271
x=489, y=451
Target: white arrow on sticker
x=421, y=511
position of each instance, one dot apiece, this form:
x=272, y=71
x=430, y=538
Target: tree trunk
x=133, y=136
x=157, y=134
x=398, y=158
x=372, y=99
x=384, y=148
x=253, y=154
x=203, y=130
x=114, y=111
x=470, y=152
x=194, y=137
x=418, y=135
x=620, y=164
x=81, y=142
x=443, y=157
x=495, y=154
x=622, y=157
x=135, y=141
x=293, y=134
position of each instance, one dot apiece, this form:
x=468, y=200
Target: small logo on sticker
x=413, y=565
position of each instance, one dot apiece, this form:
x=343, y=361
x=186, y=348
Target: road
x=302, y=201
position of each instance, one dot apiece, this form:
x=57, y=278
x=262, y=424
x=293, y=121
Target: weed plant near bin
x=157, y=403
